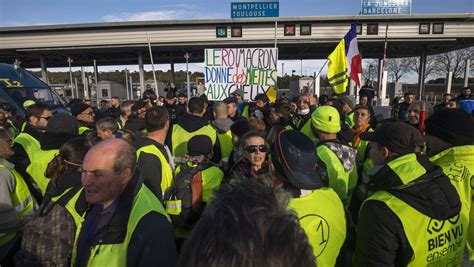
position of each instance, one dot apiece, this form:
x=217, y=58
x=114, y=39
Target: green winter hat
x=326, y=119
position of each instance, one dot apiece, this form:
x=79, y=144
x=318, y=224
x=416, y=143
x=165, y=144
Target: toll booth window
x=438, y=28
x=372, y=29
x=424, y=28
x=221, y=31
x=290, y=30
x=305, y=29
x=359, y=29
x=105, y=93
x=236, y=31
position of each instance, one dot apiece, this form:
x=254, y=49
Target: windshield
x=21, y=85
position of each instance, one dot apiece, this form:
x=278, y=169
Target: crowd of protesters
x=308, y=181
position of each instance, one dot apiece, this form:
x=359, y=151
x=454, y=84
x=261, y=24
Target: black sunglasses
x=253, y=148
x=46, y=118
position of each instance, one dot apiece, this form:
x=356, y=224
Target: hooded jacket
x=192, y=123
x=135, y=124
x=381, y=239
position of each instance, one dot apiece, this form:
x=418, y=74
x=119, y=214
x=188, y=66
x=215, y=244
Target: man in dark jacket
x=415, y=216
x=153, y=156
x=173, y=110
x=191, y=124
x=232, y=109
x=85, y=116
x=126, y=225
x=114, y=110
x=27, y=141
x=136, y=121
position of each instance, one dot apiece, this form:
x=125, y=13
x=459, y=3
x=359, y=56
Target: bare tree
x=429, y=69
x=454, y=61
x=398, y=67
x=369, y=70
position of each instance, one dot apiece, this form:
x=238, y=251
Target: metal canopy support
x=467, y=71
x=44, y=70
x=141, y=72
x=421, y=77
x=172, y=67
x=96, y=81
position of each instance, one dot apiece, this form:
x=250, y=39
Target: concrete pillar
x=422, y=71
x=449, y=82
x=172, y=67
x=44, y=70
x=351, y=87
x=379, y=79
x=96, y=81
x=141, y=72
x=317, y=84
x=466, y=72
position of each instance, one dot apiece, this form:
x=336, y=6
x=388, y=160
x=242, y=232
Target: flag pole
x=152, y=65
x=383, y=61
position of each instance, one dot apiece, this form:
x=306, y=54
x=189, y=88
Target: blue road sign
x=385, y=7
x=260, y=9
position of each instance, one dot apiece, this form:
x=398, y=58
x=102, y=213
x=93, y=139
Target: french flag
x=354, y=60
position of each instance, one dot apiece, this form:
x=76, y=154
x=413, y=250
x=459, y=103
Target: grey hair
x=107, y=124
x=126, y=157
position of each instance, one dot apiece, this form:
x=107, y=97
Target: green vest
x=246, y=111
x=114, y=255
x=322, y=217
x=29, y=143
x=83, y=129
x=180, y=138
x=349, y=119
x=22, y=202
x=166, y=171
x=458, y=164
x=308, y=131
x=363, y=160
x=39, y=164
x=225, y=140
x=434, y=242
x=71, y=205
x=342, y=181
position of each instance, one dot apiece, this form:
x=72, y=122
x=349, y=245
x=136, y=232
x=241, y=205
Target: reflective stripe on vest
x=321, y=215
x=166, y=171
x=180, y=138
x=28, y=142
x=225, y=141
x=434, y=242
x=22, y=202
x=116, y=254
x=308, y=131
x=39, y=164
x=349, y=120
x=342, y=181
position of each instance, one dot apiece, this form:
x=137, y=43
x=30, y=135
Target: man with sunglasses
x=27, y=142
x=84, y=115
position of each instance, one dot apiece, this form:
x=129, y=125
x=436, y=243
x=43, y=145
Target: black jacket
x=135, y=124
x=150, y=166
x=115, y=112
x=192, y=123
x=151, y=244
x=381, y=240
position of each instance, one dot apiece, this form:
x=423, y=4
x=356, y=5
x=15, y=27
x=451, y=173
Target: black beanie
x=78, y=108
x=453, y=126
x=199, y=145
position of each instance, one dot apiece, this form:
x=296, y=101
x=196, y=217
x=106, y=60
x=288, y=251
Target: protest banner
x=254, y=70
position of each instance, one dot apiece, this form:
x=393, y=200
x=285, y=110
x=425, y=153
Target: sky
x=41, y=12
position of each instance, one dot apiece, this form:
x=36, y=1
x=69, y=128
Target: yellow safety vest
x=180, y=138
x=225, y=141
x=22, y=202
x=246, y=111
x=28, y=142
x=39, y=164
x=83, y=129
x=342, y=181
x=458, y=164
x=115, y=255
x=434, y=242
x=349, y=120
x=321, y=215
x=166, y=171
x=308, y=131
x=71, y=205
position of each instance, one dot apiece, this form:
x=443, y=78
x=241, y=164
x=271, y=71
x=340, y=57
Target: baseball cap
x=454, y=126
x=294, y=156
x=238, y=92
x=398, y=137
x=139, y=104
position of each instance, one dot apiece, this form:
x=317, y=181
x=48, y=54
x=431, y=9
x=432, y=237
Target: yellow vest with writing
x=321, y=215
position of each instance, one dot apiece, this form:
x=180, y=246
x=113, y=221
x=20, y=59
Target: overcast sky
x=40, y=12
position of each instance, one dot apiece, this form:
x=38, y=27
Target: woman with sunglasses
x=254, y=162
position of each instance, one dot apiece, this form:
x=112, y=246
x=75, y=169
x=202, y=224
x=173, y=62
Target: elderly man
x=84, y=115
x=126, y=224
